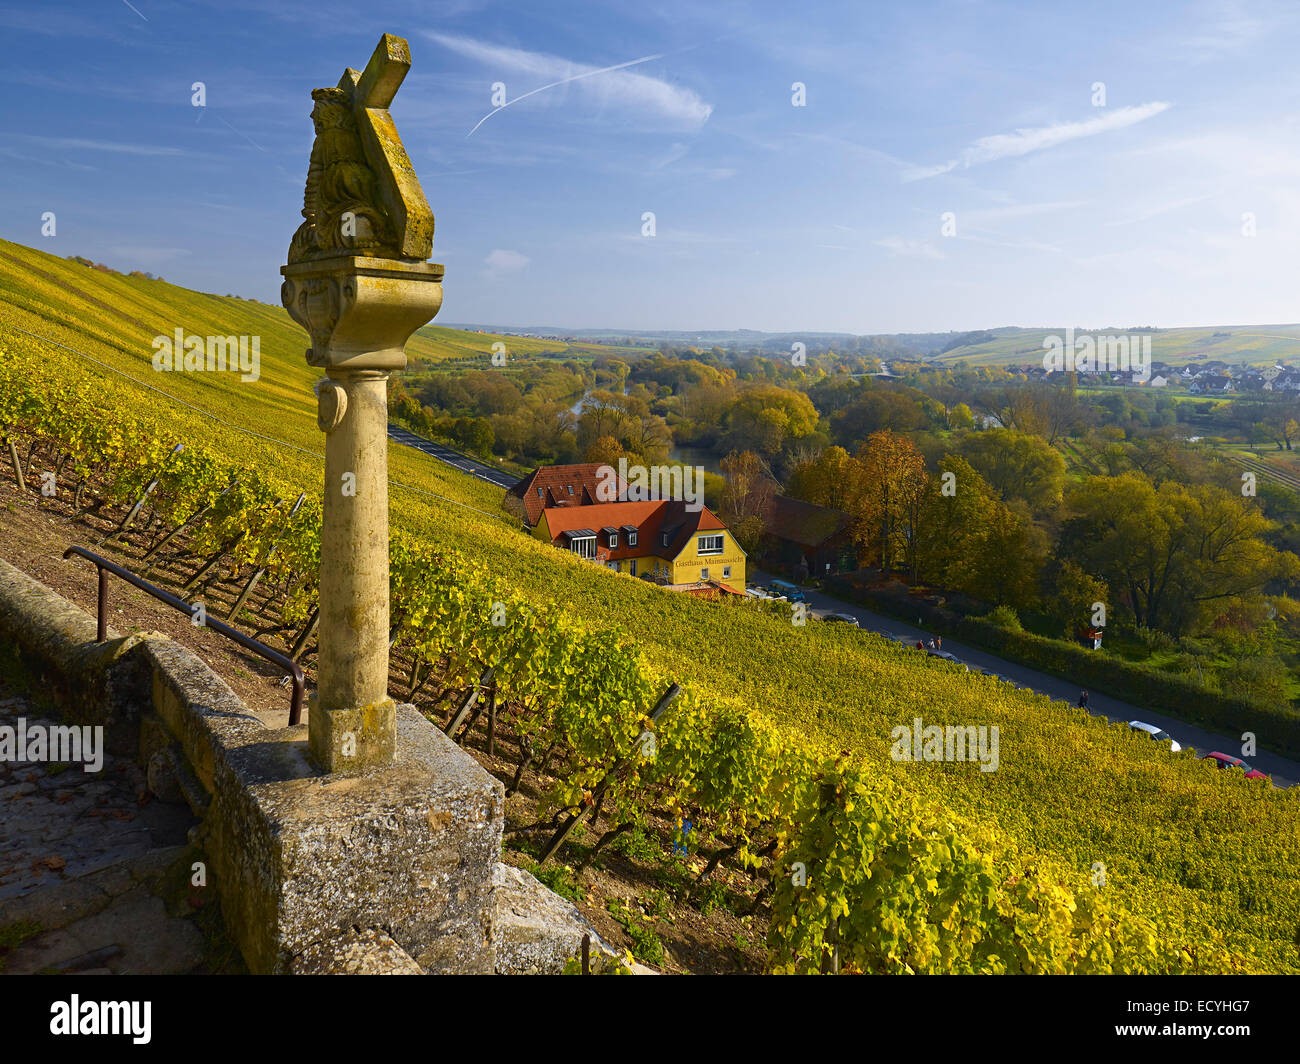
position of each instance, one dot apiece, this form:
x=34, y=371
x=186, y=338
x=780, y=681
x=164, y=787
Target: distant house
x=798, y=531
x=1210, y=382
x=551, y=486
x=658, y=539
x=1158, y=382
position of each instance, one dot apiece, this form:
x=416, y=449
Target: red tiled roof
x=650, y=518
x=555, y=482
x=802, y=522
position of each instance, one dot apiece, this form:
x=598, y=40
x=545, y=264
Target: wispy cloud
x=612, y=85
x=504, y=260
x=1024, y=141
x=1162, y=208
x=912, y=249
x=988, y=218
x=1225, y=28
x=118, y=147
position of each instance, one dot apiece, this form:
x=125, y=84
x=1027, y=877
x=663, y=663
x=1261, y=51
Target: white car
x=841, y=618
x=1158, y=734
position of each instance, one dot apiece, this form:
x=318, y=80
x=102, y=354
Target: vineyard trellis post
x=358, y=282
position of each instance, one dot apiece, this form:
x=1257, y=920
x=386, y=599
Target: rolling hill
x=1236, y=344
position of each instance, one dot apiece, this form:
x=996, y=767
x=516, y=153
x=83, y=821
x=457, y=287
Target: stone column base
x=352, y=741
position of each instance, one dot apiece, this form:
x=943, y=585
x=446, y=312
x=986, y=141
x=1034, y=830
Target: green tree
x=766, y=417
x=1018, y=466
x=1179, y=555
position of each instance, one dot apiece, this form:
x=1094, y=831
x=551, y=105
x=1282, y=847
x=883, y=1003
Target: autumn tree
x=746, y=496
x=1072, y=595
x=828, y=480
x=605, y=451
x=892, y=478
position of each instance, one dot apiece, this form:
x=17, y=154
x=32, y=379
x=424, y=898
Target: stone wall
x=316, y=872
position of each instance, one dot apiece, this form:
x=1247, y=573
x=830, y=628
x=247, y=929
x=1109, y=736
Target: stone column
x=358, y=282
x=360, y=312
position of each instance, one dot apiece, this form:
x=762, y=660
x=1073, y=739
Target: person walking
x=1083, y=699
x=938, y=642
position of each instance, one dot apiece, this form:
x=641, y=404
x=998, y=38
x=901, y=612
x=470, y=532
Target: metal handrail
x=105, y=566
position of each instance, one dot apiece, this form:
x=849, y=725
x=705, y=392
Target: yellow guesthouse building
x=658, y=539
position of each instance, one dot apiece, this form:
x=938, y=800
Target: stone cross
x=358, y=282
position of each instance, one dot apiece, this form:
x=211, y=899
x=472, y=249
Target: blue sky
x=826, y=217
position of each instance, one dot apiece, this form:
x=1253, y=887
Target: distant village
x=1203, y=378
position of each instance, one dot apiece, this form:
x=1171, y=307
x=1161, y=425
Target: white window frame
x=704, y=573
x=613, y=540
x=631, y=539
x=700, y=548
x=726, y=572
x=583, y=546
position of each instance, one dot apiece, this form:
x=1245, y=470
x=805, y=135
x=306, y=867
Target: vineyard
x=861, y=864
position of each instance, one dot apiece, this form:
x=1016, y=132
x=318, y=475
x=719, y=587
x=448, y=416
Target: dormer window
x=631, y=539
x=710, y=545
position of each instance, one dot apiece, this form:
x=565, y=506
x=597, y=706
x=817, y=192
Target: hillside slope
x=1256, y=345
x=1174, y=836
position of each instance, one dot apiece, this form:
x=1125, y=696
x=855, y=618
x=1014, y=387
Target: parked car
x=1228, y=761
x=951, y=658
x=1155, y=733
x=842, y=618
x=788, y=590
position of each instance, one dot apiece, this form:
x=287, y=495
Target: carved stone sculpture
x=358, y=283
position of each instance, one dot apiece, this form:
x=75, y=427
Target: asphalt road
x=1285, y=773
x=472, y=466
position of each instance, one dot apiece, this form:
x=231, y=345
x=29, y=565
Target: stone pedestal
x=360, y=312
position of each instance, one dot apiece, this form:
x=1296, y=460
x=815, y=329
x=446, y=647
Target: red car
x=1228, y=761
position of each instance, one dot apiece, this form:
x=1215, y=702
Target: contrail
x=553, y=84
